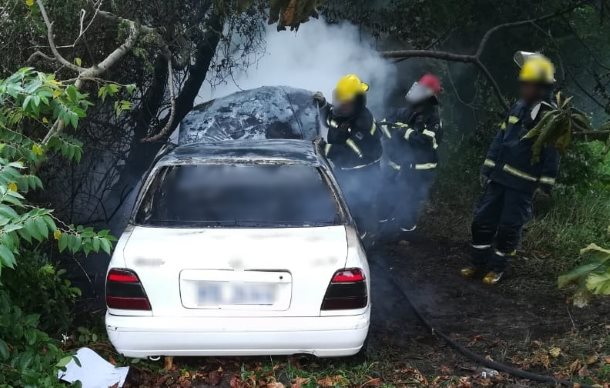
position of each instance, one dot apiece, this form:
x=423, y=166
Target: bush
x=592, y=278
x=578, y=212
x=28, y=356
x=43, y=290
x=33, y=295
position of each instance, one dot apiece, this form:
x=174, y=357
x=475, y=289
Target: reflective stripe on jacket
x=353, y=142
x=509, y=159
x=411, y=138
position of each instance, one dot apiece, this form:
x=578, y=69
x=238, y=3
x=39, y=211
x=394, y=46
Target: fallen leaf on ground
x=592, y=359
x=214, y=377
x=235, y=382
x=372, y=383
x=275, y=384
x=446, y=370
x=583, y=372
x=465, y=382
x=555, y=352
x=576, y=365
x=331, y=381
x=299, y=382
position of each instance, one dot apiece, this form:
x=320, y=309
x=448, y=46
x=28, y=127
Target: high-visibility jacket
x=412, y=138
x=509, y=159
x=352, y=142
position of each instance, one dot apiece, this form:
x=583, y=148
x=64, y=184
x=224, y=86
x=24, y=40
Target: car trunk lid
x=236, y=271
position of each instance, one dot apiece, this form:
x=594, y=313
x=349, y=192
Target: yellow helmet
x=349, y=87
x=535, y=68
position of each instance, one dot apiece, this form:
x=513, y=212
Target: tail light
x=124, y=291
x=346, y=291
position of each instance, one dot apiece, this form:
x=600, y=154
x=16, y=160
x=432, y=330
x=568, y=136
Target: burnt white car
x=239, y=248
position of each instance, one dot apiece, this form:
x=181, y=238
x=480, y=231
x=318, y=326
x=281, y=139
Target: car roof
x=286, y=151
x=268, y=112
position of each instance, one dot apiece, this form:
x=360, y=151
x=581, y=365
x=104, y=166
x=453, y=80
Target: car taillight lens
x=346, y=291
x=124, y=291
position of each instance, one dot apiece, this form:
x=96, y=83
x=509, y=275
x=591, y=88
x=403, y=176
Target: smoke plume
x=314, y=58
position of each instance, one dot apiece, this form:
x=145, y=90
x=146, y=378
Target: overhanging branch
x=475, y=58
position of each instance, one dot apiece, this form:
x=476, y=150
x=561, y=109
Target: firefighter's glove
x=319, y=99
x=483, y=180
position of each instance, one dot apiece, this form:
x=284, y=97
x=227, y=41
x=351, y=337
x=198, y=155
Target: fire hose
x=479, y=359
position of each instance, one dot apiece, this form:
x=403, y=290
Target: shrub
x=33, y=108
x=43, y=290
x=592, y=278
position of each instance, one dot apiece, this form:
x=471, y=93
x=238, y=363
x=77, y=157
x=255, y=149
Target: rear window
x=238, y=195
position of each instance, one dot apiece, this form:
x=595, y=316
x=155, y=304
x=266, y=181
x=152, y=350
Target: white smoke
x=314, y=58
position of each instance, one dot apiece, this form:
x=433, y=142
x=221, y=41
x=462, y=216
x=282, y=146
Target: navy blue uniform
x=352, y=142
x=411, y=141
x=506, y=204
x=354, y=149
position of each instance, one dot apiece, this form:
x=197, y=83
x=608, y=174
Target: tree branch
x=39, y=53
x=51, y=39
x=172, y=95
x=116, y=55
x=476, y=57
x=85, y=72
x=445, y=55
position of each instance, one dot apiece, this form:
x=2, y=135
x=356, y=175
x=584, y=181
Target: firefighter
x=411, y=140
x=510, y=177
x=353, y=147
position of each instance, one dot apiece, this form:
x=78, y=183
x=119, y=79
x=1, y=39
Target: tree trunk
x=142, y=154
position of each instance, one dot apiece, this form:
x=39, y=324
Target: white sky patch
x=314, y=58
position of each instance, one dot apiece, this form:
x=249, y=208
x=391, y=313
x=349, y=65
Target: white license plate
x=225, y=293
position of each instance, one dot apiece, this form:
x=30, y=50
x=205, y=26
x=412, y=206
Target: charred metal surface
x=240, y=151
x=269, y=112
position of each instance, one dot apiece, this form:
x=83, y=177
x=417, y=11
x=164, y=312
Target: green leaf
x=4, y=352
x=63, y=242
x=576, y=274
x=63, y=362
x=599, y=284
x=7, y=211
x=41, y=227
x=95, y=242
x=23, y=233
x=78, y=61
x=7, y=258
x=106, y=246
x=596, y=252
x=30, y=336
x=31, y=227
x=11, y=227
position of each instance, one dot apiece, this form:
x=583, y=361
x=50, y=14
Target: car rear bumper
x=332, y=336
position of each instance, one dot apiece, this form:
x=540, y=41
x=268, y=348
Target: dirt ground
x=525, y=322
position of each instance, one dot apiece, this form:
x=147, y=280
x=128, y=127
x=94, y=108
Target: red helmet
x=432, y=82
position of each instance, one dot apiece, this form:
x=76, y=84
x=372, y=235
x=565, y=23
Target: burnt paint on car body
x=268, y=112
x=246, y=151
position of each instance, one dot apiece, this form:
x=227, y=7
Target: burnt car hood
x=269, y=112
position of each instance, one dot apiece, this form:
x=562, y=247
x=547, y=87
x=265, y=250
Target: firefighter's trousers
x=402, y=197
x=498, y=222
x=360, y=187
